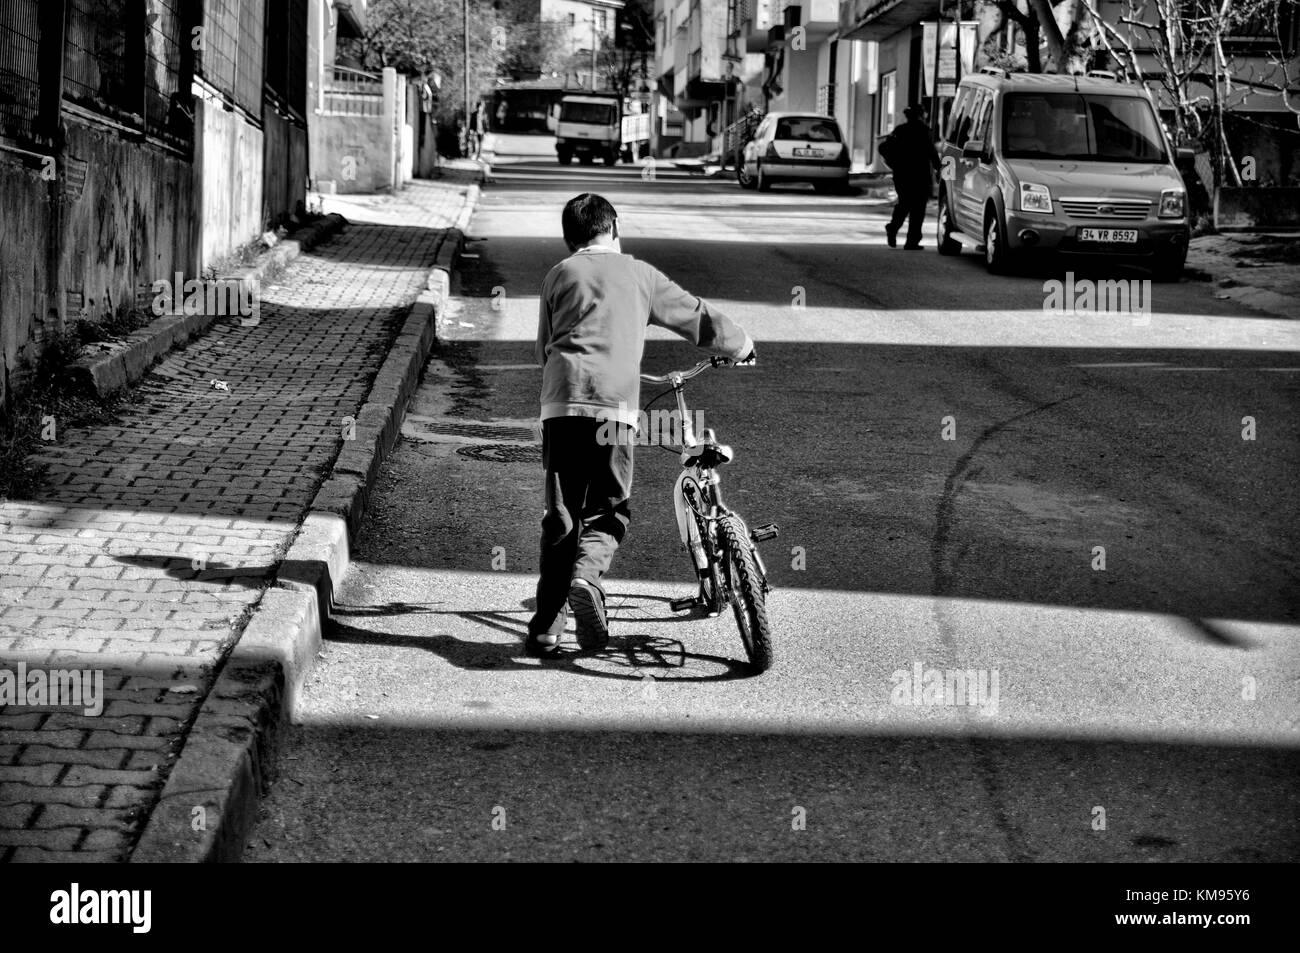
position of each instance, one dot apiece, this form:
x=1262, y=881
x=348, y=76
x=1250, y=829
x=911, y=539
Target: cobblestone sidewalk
x=1257, y=269
x=155, y=537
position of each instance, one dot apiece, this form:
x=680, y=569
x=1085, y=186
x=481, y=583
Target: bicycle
x=723, y=550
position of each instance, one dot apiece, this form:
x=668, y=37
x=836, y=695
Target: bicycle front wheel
x=745, y=592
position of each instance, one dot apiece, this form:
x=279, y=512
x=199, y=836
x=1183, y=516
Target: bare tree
x=424, y=37
x=1053, y=27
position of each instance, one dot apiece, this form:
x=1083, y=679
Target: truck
x=592, y=126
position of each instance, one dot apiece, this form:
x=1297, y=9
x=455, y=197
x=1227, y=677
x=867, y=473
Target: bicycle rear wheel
x=745, y=592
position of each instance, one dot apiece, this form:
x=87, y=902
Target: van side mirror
x=1184, y=154
x=974, y=149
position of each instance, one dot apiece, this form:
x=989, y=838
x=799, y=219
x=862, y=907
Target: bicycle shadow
x=631, y=657
x=616, y=608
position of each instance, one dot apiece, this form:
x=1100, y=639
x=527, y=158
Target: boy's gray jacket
x=595, y=308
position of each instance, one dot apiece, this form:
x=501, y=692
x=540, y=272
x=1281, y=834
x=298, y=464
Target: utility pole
x=466, y=12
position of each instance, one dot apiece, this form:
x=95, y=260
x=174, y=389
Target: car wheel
x=946, y=244
x=611, y=157
x=745, y=180
x=764, y=183
x=995, y=245
x=565, y=158
x=1168, y=266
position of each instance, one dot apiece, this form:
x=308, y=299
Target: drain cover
x=502, y=453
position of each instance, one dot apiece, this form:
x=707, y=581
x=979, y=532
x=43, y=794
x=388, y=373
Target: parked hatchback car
x=1071, y=164
x=795, y=147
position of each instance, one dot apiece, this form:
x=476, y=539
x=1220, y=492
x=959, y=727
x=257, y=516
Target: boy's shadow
x=629, y=657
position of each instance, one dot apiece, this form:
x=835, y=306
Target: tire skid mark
x=944, y=572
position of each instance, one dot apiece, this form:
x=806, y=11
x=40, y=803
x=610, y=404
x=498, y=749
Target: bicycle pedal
x=682, y=605
x=764, y=532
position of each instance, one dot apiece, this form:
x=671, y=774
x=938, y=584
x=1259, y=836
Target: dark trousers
x=588, y=507
x=912, y=199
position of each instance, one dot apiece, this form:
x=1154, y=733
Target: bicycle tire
x=748, y=599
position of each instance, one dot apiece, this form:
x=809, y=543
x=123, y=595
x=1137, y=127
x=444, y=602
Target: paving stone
x=37, y=855
x=85, y=795
x=61, y=815
x=102, y=559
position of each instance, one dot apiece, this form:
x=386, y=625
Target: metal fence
x=19, y=79
x=122, y=59
x=231, y=51
x=94, y=58
x=286, y=54
x=352, y=92
x=131, y=61
x=162, y=60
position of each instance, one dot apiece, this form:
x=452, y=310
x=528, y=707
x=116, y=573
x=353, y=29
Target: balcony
x=880, y=19
x=352, y=92
x=701, y=47
x=819, y=18
x=757, y=17
x=826, y=99
x=352, y=18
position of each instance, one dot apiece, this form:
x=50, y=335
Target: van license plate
x=1108, y=235
x=809, y=153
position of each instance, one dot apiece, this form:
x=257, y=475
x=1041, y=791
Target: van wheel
x=995, y=245
x=611, y=157
x=946, y=243
x=1168, y=267
x=565, y=157
x=764, y=183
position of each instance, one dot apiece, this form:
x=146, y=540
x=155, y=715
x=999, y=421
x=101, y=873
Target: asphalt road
x=1147, y=711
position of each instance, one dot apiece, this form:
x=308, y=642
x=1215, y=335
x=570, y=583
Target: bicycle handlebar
x=695, y=371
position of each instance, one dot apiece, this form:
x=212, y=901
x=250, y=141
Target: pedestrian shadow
x=627, y=658
x=197, y=569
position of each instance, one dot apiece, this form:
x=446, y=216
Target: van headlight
x=1173, y=203
x=1035, y=198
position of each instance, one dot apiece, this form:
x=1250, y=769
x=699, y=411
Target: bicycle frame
x=697, y=492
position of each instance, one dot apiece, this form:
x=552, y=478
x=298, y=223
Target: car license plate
x=809, y=153
x=1108, y=235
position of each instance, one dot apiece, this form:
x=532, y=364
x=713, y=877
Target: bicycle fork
x=686, y=493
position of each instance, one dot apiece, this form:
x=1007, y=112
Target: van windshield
x=1092, y=127
x=598, y=114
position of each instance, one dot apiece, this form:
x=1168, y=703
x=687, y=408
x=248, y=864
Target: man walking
x=477, y=124
x=910, y=153
x=594, y=310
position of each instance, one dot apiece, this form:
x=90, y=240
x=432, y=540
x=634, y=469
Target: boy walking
x=595, y=308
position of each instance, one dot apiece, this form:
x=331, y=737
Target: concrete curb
x=107, y=373
x=1259, y=299
x=210, y=801
x=1233, y=283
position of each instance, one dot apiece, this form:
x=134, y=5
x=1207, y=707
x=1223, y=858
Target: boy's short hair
x=586, y=216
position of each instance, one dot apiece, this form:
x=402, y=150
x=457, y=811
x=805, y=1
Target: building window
x=600, y=20
x=888, y=106
x=573, y=20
